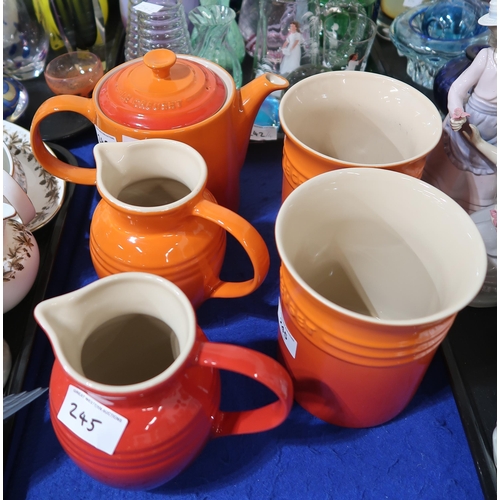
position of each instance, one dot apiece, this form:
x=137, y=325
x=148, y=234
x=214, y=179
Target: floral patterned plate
x=45, y=191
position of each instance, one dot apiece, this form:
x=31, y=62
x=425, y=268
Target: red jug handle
x=81, y=105
x=256, y=366
x=250, y=240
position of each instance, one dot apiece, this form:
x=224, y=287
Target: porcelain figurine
x=291, y=49
x=463, y=164
x=486, y=223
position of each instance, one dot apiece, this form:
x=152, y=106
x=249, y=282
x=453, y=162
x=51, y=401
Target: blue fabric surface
x=422, y=454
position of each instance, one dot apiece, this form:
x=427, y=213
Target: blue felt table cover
x=421, y=454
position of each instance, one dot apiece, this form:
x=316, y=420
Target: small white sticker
x=103, y=137
x=411, y=3
x=148, y=8
x=126, y=138
x=91, y=421
x=290, y=342
x=260, y=133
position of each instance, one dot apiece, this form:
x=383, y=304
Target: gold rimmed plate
x=45, y=191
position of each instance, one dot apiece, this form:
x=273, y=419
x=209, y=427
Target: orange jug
x=157, y=216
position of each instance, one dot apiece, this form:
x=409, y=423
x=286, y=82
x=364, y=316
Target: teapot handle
x=256, y=366
x=81, y=105
x=249, y=239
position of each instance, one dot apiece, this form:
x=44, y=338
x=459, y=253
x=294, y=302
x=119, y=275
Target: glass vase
x=211, y=26
x=234, y=36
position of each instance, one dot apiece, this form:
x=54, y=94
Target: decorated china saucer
x=45, y=191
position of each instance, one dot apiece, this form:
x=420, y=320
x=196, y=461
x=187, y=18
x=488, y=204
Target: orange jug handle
x=259, y=367
x=81, y=105
x=251, y=241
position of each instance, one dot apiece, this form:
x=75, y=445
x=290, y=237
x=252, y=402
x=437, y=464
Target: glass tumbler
x=348, y=36
x=165, y=28
x=25, y=42
x=288, y=34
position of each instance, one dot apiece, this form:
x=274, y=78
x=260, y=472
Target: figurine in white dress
x=353, y=63
x=291, y=49
x=463, y=164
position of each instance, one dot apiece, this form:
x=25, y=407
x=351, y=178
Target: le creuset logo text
x=149, y=105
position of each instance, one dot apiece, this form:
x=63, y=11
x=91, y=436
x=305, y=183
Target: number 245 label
x=90, y=428
x=91, y=421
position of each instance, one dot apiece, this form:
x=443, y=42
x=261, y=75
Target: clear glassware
x=74, y=73
x=348, y=36
x=288, y=36
x=131, y=32
x=212, y=24
x=25, y=42
x=132, y=22
x=131, y=36
x=369, y=7
x=15, y=99
x=433, y=33
x=165, y=29
x=388, y=11
x=247, y=23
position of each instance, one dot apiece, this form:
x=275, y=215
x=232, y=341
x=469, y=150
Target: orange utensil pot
x=375, y=265
x=352, y=119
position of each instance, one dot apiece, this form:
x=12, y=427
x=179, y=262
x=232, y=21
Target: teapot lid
x=161, y=92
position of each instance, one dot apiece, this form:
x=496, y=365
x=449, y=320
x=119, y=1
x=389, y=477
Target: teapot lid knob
x=160, y=61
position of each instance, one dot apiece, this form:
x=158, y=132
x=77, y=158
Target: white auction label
x=126, y=138
x=148, y=8
x=290, y=342
x=93, y=422
x=260, y=133
x=103, y=137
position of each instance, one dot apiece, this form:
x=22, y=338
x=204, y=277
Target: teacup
x=343, y=119
x=21, y=256
x=375, y=266
x=15, y=187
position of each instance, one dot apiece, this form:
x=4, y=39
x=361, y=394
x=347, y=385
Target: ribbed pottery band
x=351, y=339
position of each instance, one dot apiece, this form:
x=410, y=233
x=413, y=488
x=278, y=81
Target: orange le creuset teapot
x=157, y=216
x=164, y=95
x=135, y=389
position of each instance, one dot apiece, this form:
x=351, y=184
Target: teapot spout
x=252, y=96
